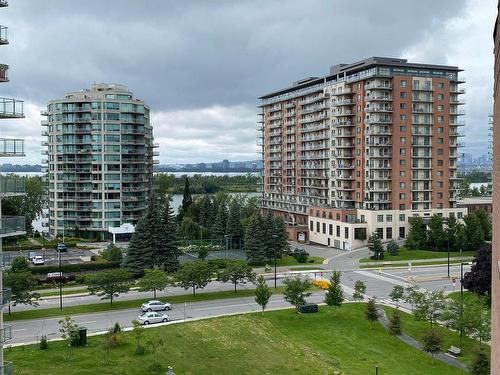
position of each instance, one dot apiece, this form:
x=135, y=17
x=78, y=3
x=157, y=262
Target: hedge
x=80, y=267
x=50, y=245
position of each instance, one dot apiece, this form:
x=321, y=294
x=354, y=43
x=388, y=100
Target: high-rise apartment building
x=362, y=149
x=100, y=160
x=9, y=186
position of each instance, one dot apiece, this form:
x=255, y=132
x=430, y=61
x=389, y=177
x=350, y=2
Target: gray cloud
x=220, y=55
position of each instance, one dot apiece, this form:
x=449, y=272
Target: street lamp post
x=448, y=256
x=462, y=294
x=275, y=259
x=60, y=281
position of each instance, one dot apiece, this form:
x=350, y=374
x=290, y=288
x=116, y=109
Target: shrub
x=322, y=284
x=302, y=257
x=112, y=253
x=80, y=267
x=44, y=344
x=392, y=248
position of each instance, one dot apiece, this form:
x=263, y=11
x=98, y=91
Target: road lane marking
x=90, y=321
x=18, y=330
x=382, y=278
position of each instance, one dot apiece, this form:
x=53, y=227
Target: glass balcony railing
x=11, y=147
x=5, y=334
x=12, y=225
x=6, y=368
x=11, y=108
x=3, y=35
x=5, y=296
x=11, y=185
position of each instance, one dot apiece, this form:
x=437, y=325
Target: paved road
x=379, y=284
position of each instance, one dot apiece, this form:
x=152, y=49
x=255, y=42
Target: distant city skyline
x=203, y=82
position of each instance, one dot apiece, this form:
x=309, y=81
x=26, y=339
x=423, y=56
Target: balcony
x=6, y=296
x=4, y=73
x=6, y=369
x=344, y=91
x=11, y=185
x=11, y=147
x=5, y=334
x=3, y=35
x=11, y=108
x=12, y=226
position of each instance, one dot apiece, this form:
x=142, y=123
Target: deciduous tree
x=237, y=272
x=296, y=291
x=375, y=246
x=436, y=234
x=195, y=275
x=397, y=294
x=417, y=235
x=262, y=293
x=359, y=290
x=371, y=312
x=431, y=342
x=154, y=280
x=109, y=284
x=478, y=279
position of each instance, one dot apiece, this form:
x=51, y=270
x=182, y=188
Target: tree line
x=203, y=184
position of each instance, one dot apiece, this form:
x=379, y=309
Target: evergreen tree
x=234, y=227
x=371, y=312
x=375, y=246
x=187, y=200
x=139, y=254
x=254, y=245
x=267, y=232
x=169, y=257
x=395, y=324
x=205, y=212
x=392, y=248
x=480, y=364
x=156, y=231
x=281, y=241
x=436, y=233
x=472, y=237
x=417, y=235
x=220, y=222
x=334, y=295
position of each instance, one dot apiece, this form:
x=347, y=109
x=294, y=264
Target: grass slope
x=278, y=342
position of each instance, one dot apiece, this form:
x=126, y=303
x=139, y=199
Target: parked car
x=38, y=260
x=31, y=255
x=152, y=317
x=61, y=247
x=156, y=306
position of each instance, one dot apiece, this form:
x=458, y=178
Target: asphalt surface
x=379, y=284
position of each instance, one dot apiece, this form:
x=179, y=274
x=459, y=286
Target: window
x=402, y=117
x=380, y=218
x=440, y=141
x=403, y=83
x=440, y=151
x=402, y=173
x=317, y=226
x=380, y=233
x=346, y=232
x=459, y=215
x=402, y=105
x=324, y=228
x=338, y=230
x=388, y=233
x=440, y=108
x=402, y=232
x=402, y=94
x=402, y=129
x=440, y=163
x=311, y=225
x=402, y=206
x=388, y=218
x=441, y=85
x=402, y=151
x=402, y=196
x=440, y=97
x=440, y=195
x=402, y=217
x=402, y=162
x=440, y=119
x=440, y=184
x=402, y=185
x=440, y=129
x=330, y=229
x=440, y=173
x=402, y=140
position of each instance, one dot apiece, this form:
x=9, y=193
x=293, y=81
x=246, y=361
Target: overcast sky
x=200, y=65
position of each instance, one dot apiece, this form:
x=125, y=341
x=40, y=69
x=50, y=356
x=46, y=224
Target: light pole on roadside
x=275, y=236
x=448, y=255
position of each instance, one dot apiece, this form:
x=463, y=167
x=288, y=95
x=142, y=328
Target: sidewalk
x=416, y=261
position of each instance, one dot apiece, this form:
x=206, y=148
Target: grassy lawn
x=414, y=263
x=288, y=260
x=405, y=254
x=279, y=342
x=64, y=292
x=120, y=305
x=415, y=329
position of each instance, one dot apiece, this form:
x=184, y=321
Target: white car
x=156, y=306
x=38, y=260
x=152, y=317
